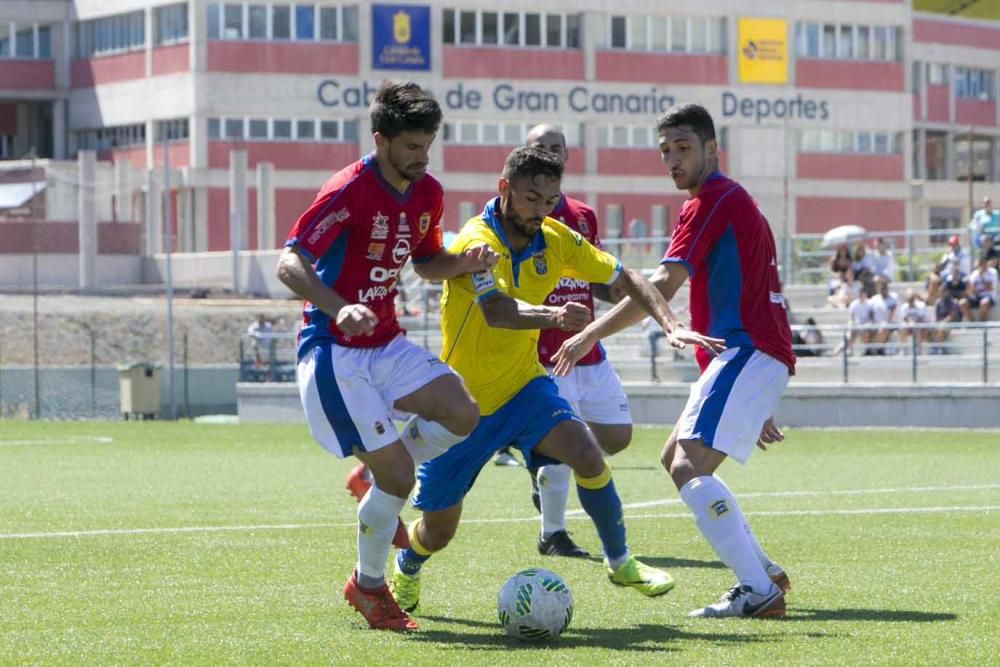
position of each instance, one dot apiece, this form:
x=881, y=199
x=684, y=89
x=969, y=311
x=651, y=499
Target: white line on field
x=71, y=440
x=631, y=517
x=792, y=494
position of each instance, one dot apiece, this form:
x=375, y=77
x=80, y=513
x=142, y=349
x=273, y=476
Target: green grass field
x=208, y=544
x=973, y=9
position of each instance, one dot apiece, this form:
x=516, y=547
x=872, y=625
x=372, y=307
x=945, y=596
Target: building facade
x=830, y=111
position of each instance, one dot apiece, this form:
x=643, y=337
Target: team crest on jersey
x=404, y=227
x=583, y=226
x=576, y=237
x=541, y=268
x=375, y=251
x=425, y=223
x=380, y=226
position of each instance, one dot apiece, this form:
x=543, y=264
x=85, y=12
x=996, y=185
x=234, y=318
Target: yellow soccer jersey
x=496, y=363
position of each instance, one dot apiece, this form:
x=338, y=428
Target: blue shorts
x=521, y=422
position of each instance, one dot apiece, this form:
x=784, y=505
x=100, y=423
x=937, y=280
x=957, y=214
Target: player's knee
x=463, y=418
x=397, y=480
x=588, y=461
x=616, y=440
x=436, y=535
x=681, y=471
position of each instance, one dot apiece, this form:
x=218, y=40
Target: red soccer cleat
x=357, y=484
x=378, y=607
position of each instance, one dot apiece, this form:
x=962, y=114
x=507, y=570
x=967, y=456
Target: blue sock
x=601, y=502
x=409, y=561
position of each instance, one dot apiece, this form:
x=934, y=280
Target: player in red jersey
x=724, y=243
x=592, y=387
x=343, y=256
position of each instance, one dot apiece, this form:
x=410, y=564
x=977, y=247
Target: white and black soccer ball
x=535, y=605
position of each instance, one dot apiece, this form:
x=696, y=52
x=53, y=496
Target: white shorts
x=596, y=394
x=730, y=402
x=347, y=393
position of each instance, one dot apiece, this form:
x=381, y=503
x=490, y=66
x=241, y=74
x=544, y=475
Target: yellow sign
x=401, y=27
x=762, y=55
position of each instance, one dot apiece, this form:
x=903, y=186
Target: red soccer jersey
x=726, y=244
x=358, y=233
x=581, y=218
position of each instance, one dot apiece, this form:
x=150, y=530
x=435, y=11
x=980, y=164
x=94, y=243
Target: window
x=171, y=24
x=862, y=45
x=637, y=33
x=350, y=24
x=351, y=131
x=25, y=43
x=572, y=31
x=491, y=28
x=212, y=10
x=618, y=32
x=467, y=28
x=936, y=74
x=233, y=128
x=679, y=34
x=305, y=129
x=172, y=130
x=328, y=22
x=232, y=25
x=281, y=22
x=111, y=34
x=491, y=133
x=281, y=129
x=214, y=128
x=553, y=30
x=658, y=34
x=106, y=138
x=511, y=29
x=532, y=29
x=846, y=42
x=974, y=84
x=44, y=42
x=699, y=35
x=257, y=18
x=305, y=22
x=257, y=128
x=329, y=130
x=850, y=141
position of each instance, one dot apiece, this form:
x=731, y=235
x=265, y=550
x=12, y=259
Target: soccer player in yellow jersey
x=490, y=321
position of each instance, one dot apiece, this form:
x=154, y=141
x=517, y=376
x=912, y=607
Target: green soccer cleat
x=405, y=588
x=643, y=578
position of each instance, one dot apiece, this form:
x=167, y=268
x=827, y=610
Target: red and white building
x=872, y=124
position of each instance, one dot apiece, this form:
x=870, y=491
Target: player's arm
x=502, y=311
x=443, y=265
x=296, y=272
x=606, y=293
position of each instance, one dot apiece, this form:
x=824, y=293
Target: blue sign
x=401, y=37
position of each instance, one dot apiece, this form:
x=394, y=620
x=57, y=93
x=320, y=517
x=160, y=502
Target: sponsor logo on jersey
x=538, y=259
x=404, y=227
x=572, y=283
x=425, y=223
x=482, y=281
x=327, y=222
x=401, y=251
x=375, y=251
x=777, y=297
x=380, y=227
x=373, y=293
x=576, y=237
x=380, y=274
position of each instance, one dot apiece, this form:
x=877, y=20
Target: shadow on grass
x=668, y=562
x=892, y=615
x=642, y=638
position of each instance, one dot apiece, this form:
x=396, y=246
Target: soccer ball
x=535, y=605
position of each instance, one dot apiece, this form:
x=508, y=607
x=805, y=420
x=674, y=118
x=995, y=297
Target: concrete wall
x=68, y=393
x=215, y=270
x=933, y=405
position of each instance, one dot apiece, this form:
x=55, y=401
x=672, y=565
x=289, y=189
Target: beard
x=525, y=227
x=412, y=171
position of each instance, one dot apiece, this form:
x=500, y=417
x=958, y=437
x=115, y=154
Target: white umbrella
x=843, y=234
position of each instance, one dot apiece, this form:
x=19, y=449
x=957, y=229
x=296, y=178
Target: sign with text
x=401, y=37
x=762, y=51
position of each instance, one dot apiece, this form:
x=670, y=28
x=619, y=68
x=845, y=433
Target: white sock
x=762, y=557
x=719, y=519
x=425, y=439
x=553, y=488
x=378, y=515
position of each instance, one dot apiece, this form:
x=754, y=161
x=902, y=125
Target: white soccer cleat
x=742, y=602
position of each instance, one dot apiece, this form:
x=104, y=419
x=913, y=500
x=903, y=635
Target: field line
x=510, y=520
x=69, y=440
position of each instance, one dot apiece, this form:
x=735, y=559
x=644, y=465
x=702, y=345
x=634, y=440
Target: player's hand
x=573, y=316
x=356, y=319
x=571, y=351
x=681, y=338
x=769, y=433
x=478, y=258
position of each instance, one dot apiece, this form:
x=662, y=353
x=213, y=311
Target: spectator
x=984, y=221
x=989, y=250
x=946, y=311
x=840, y=266
x=637, y=229
x=861, y=267
x=260, y=333
x=882, y=262
x=808, y=341
x=653, y=335
x=982, y=290
x=846, y=292
x=914, y=312
x=956, y=260
x=883, y=308
x=859, y=323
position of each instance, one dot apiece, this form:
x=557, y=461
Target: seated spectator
x=883, y=314
x=861, y=267
x=840, y=266
x=882, y=262
x=808, y=340
x=946, y=311
x=990, y=251
x=845, y=292
x=914, y=312
x=859, y=324
x=982, y=290
x=261, y=339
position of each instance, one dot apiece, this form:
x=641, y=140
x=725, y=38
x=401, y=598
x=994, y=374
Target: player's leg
x=550, y=486
x=429, y=534
x=723, y=418
x=556, y=434
x=347, y=415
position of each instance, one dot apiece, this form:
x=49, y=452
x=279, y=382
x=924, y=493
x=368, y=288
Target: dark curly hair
x=401, y=106
x=530, y=161
x=694, y=116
